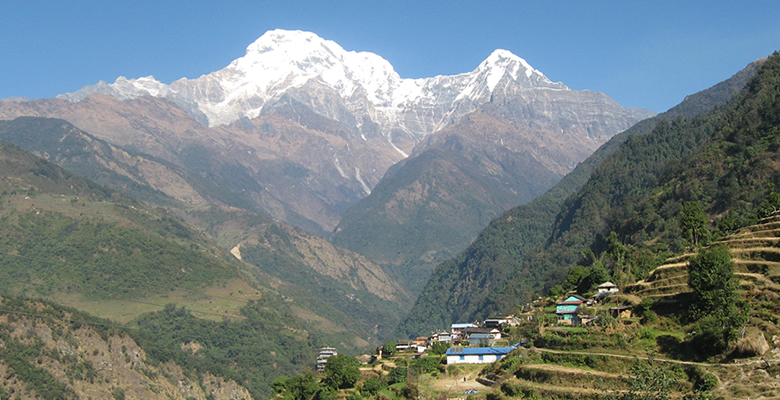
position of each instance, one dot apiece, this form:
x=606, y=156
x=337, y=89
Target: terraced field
x=596, y=371
x=756, y=254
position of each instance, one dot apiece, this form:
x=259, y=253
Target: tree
x=717, y=307
x=711, y=276
x=769, y=206
x=617, y=252
x=372, y=386
x=649, y=381
x=440, y=348
x=279, y=385
x=398, y=374
x=389, y=348
x=595, y=277
x=301, y=387
x=342, y=372
x=693, y=222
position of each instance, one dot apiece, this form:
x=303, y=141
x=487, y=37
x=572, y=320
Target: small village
x=590, y=345
x=484, y=342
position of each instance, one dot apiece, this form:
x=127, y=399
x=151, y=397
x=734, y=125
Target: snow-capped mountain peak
x=282, y=61
x=504, y=59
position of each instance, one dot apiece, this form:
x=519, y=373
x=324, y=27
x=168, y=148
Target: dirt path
x=456, y=384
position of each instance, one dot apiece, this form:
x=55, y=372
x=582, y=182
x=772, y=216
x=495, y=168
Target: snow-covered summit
x=282, y=61
x=280, y=54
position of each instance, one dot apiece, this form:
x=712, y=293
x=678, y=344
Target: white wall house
x=476, y=355
x=608, y=287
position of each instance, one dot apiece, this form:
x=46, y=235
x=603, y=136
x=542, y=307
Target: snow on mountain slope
x=306, y=129
x=280, y=61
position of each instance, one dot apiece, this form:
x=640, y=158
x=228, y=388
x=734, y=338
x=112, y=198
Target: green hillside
x=477, y=282
x=62, y=233
x=333, y=288
x=55, y=352
x=65, y=238
x=430, y=206
x=308, y=274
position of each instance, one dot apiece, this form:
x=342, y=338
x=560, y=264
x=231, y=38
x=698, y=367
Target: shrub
x=372, y=386
x=706, y=383
x=398, y=375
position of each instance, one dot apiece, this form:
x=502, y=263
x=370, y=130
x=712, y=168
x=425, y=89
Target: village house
x=606, y=289
x=323, y=356
x=476, y=355
x=420, y=344
x=403, y=344
x=568, y=310
x=456, y=330
x=441, y=336
x=497, y=322
x=481, y=336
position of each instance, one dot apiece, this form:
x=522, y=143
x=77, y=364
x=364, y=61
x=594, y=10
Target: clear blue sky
x=641, y=53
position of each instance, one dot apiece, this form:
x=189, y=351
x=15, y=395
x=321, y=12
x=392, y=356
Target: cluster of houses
x=473, y=343
x=569, y=310
x=473, y=334
x=462, y=337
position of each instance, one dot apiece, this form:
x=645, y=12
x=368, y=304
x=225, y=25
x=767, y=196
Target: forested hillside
x=54, y=352
x=309, y=268
x=62, y=233
x=66, y=238
x=516, y=255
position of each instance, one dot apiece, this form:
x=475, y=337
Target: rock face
x=304, y=129
x=431, y=205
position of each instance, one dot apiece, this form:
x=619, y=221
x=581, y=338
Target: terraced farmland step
x=664, y=291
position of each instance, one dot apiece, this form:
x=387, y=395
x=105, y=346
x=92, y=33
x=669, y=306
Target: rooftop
x=458, y=351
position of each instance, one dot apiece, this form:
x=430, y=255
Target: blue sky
x=642, y=54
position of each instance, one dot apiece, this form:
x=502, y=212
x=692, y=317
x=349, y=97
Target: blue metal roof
x=461, y=326
x=463, y=351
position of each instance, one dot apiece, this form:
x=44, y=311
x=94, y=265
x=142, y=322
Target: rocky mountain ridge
x=283, y=61
x=302, y=129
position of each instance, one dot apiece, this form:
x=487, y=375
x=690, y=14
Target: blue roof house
x=567, y=310
x=476, y=355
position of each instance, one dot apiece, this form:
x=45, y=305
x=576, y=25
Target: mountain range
x=233, y=168
x=305, y=131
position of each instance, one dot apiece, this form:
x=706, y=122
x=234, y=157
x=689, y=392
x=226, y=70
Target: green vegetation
x=516, y=257
x=329, y=297
x=61, y=233
x=26, y=355
x=254, y=352
x=393, y=377
x=99, y=259
x=718, y=309
x=20, y=359
x=430, y=206
x=342, y=372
